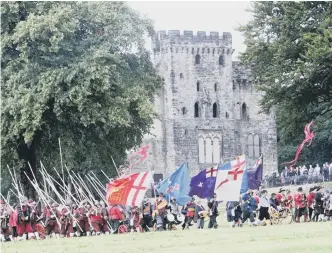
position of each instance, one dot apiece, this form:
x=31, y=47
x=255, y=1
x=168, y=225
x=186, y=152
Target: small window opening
x=196, y=110
x=197, y=59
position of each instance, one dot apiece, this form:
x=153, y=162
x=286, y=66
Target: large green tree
x=77, y=71
x=289, y=51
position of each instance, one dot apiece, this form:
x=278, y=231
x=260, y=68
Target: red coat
x=279, y=198
x=13, y=218
x=115, y=213
x=289, y=201
x=257, y=200
x=191, y=209
x=298, y=199
x=310, y=198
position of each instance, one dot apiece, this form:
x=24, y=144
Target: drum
x=170, y=217
x=180, y=218
x=41, y=230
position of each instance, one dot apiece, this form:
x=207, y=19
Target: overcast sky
x=197, y=16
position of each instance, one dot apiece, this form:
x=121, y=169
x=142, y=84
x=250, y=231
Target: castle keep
x=208, y=109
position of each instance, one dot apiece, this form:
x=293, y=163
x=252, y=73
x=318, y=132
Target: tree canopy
x=289, y=51
x=76, y=71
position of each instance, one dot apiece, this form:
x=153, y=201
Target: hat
x=161, y=195
x=23, y=199
x=299, y=189
x=68, y=203
x=54, y=205
x=281, y=190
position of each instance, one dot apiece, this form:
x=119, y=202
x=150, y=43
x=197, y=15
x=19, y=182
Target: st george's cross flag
x=202, y=185
x=229, y=179
x=129, y=190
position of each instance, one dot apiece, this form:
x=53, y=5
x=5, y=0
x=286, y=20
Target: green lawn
x=302, y=238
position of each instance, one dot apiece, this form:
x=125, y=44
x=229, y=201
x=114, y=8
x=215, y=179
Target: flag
x=176, y=185
x=245, y=184
x=255, y=175
x=229, y=179
x=129, y=190
x=203, y=183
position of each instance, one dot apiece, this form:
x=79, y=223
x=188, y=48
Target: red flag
x=129, y=190
x=307, y=139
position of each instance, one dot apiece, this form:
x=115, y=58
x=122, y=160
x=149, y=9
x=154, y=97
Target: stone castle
x=208, y=110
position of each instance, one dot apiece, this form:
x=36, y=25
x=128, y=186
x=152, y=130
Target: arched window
x=196, y=110
x=244, y=114
x=257, y=146
x=184, y=110
x=215, y=86
x=208, y=150
x=185, y=132
x=216, y=150
x=221, y=60
x=201, y=150
x=197, y=85
x=181, y=76
x=250, y=146
x=215, y=110
x=227, y=115
x=197, y=59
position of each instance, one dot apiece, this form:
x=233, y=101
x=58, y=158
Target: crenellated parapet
x=187, y=38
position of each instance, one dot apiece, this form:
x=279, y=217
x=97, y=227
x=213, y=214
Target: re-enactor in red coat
x=300, y=205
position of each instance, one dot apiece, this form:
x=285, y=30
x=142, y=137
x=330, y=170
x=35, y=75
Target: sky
x=197, y=16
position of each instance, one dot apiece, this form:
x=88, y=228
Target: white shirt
x=264, y=202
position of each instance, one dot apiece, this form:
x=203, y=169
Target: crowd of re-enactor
x=26, y=221
x=299, y=175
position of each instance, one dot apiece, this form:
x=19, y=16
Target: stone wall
x=186, y=61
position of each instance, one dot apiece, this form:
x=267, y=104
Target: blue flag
x=203, y=183
x=255, y=175
x=176, y=185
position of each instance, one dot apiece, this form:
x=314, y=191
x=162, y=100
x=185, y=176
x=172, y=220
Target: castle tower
x=208, y=110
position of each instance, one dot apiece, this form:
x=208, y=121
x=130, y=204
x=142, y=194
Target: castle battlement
x=202, y=35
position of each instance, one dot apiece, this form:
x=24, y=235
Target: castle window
x=227, y=115
x=208, y=50
x=216, y=150
x=184, y=110
x=244, y=114
x=197, y=59
x=257, y=146
x=221, y=60
x=185, y=132
x=181, y=76
x=215, y=110
x=208, y=150
x=192, y=50
x=213, y=50
x=250, y=146
x=197, y=85
x=215, y=86
x=201, y=150
x=196, y=110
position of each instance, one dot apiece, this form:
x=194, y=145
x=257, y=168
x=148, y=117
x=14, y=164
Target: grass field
x=304, y=238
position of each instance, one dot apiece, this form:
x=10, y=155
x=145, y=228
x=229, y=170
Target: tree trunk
x=27, y=153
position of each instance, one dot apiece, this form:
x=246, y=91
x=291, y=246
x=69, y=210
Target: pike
x=63, y=175
x=61, y=199
x=35, y=186
x=93, y=185
x=100, y=184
